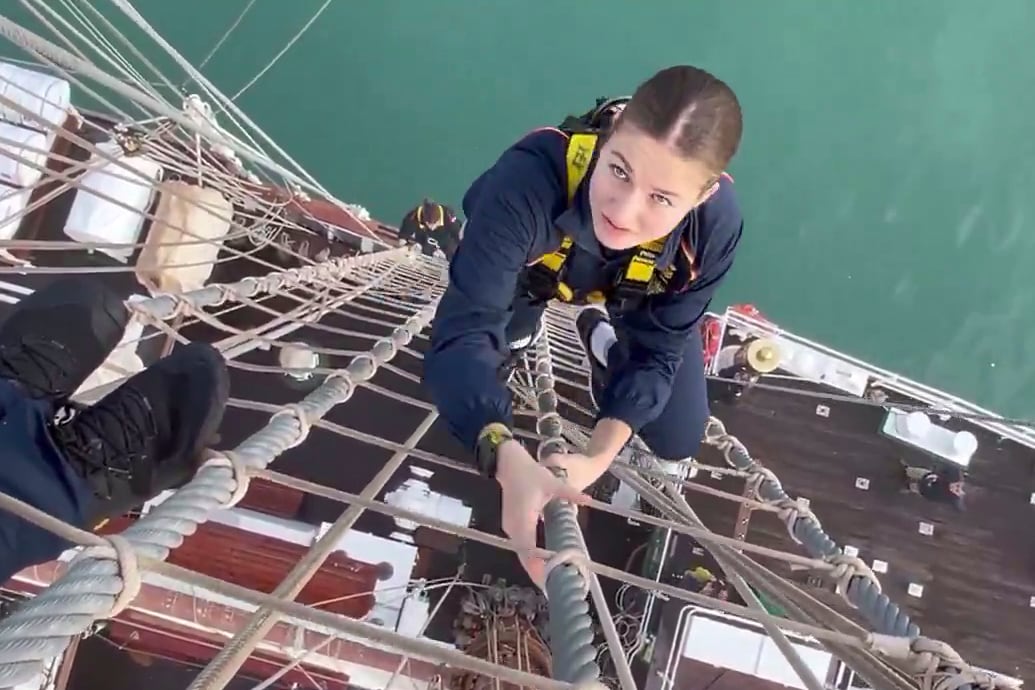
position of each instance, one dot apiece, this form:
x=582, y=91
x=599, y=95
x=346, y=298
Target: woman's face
x=641, y=189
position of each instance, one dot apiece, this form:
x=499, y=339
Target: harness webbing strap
x=548, y=271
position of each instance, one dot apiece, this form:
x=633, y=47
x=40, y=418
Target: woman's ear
x=712, y=189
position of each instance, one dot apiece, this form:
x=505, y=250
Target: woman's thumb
x=567, y=492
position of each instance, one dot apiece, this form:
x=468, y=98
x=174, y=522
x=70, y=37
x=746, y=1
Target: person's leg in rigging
x=97, y=462
x=677, y=433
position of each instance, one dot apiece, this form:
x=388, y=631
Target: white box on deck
x=185, y=238
x=94, y=217
x=23, y=155
x=46, y=97
x=916, y=429
x=12, y=203
x=813, y=365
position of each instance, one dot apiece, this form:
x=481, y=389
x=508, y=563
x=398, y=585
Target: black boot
x=146, y=436
x=53, y=339
x=585, y=323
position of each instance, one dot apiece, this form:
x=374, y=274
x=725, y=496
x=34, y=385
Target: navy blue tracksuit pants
x=677, y=433
x=33, y=471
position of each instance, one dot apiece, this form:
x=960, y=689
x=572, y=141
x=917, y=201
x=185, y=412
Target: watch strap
x=489, y=440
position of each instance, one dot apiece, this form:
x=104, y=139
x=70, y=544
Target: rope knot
x=291, y=281
x=344, y=379
x=844, y=568
x=759, y=475
x=729, y=446
x=545, y=419
x=714, y=431
x=575, y=558
x=301, y=418
x=552, y=445
x=249, y=285
x=225, y=294
x=232, y=460
x=119, y=549
x=790, y=511
x=401, y=337
x=182, y=308
x=364, y=365
x=935, y=665
x=325, y=272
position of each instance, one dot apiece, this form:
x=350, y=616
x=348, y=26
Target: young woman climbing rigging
x=629, y=211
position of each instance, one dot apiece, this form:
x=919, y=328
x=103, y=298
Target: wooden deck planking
x=977, y=566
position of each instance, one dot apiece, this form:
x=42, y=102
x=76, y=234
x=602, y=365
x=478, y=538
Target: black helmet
x=430, y=213
x=607, y=109
x=598, y=120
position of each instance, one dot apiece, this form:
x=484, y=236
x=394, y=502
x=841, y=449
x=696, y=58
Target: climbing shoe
x=585, y=324
x=53, y=339
x=519, y=348
x=147, y=435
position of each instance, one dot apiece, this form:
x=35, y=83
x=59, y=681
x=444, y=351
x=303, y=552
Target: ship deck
x=976, y=569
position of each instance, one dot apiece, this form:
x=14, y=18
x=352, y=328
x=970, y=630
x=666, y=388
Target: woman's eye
x=619, y=172
x=661, y=199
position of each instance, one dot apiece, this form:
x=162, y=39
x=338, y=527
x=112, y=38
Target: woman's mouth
x=614, y=226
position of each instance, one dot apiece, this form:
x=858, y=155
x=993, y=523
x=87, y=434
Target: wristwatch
x=485, y=450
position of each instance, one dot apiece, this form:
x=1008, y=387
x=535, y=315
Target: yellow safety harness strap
x=546, y=276
x=577, y=159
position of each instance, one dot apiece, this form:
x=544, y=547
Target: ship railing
x=681, y=646
x=928, y=395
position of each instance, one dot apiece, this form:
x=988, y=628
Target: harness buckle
x=540, y=283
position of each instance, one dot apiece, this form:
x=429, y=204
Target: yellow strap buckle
x=555, y=260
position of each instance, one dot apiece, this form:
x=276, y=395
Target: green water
x=886, y=173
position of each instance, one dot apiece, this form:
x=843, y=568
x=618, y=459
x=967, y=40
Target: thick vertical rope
x=861, y=590
x=570, y=626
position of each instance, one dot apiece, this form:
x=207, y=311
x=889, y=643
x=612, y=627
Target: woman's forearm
x=609, y=435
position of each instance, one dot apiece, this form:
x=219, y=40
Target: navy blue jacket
x=517, y=211
x=34, y=472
